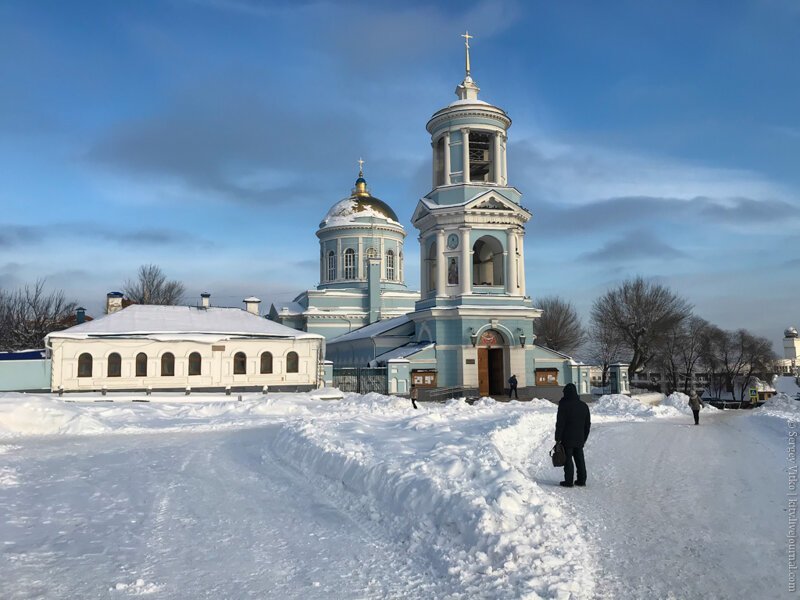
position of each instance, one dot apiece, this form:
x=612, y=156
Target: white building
x=178, y=347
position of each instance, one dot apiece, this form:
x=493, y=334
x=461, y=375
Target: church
x=471, y=326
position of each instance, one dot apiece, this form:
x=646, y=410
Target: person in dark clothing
x=695, y=403
x=572, y=429
x=512, y=387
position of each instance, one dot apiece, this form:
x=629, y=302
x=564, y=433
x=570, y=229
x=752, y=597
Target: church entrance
x=491, y=371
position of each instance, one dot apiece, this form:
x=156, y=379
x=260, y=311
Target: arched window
x=331, y=265
x=114, y=365
x=195, y=363
x=390, y=265
x=292, y=363
x=266, y=363
x=439, y=150
x=480, y=155
x=85, y=365
x=487, y=261
x=349, y=264
x=141, y=364
x=168, y=364
x=239, y=363
x=432, y=269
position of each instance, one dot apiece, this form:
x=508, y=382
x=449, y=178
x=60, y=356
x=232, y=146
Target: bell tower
x=473, y=302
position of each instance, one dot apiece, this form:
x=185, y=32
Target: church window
x=114, y=365
x=239, y=363
x=487, y=262
x=266, y=363
x=390, y=265
x=400, y=266
x=292, y=362
x=195, y=363
x=480, y=156
x=439, y=158
x=331, y=265
x=432, y=269
x=141, y=365
x=349, y=264
x=168, y=364
x=85, y=365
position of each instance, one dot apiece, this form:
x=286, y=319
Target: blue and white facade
x=473, y=323
x=361, y=270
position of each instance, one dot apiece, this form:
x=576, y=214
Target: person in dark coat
x=512, y=386
x=572, y=429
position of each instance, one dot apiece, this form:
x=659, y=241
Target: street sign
x=753, y=393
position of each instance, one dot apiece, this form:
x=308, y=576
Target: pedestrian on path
x=695, y=403
x=572, y=429
x=512, y=386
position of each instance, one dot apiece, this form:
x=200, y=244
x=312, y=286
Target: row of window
x=114, y=364
x=350, y=270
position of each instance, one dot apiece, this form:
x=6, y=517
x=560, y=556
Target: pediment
x=420, y=212
x=493, y=201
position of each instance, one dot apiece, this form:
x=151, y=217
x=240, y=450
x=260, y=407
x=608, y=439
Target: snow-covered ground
x=291, y=496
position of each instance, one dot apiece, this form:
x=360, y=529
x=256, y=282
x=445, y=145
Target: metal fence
x=361, y=380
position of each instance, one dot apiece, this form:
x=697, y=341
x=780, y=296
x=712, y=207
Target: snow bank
x=625, y=407
x=453, y=479
x=680, y=401
x=781, y=407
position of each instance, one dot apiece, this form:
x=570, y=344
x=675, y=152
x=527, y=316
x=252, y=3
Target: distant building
x=177, y=347
x=790, y=365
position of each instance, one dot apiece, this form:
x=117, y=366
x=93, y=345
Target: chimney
x=251, y=305
x=205, y=300
x=80, y=315
x=113, y=302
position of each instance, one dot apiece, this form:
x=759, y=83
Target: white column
x=465, y=153
x=466, y=261
x=504, y=159
x=360, y=258
x=423, y=269
x=339, y=259
x=497, y=159
x=440, y=266
x=447, y=158
x=511, y=263
x=521, y=252
x=433, y=163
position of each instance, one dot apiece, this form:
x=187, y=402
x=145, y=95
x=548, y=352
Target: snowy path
x=678, y=511
x=211, y=515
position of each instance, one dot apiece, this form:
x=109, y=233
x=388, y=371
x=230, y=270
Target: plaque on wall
x=470, y=361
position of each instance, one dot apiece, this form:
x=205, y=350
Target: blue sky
x=211, y=136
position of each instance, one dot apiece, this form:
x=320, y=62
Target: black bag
x=558, y=455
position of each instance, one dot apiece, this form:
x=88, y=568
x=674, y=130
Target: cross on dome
x=467, y=37
x=360, y=167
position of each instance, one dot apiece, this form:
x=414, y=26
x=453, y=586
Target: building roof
x=181, y=323
x=403, y=351
x=374, y=329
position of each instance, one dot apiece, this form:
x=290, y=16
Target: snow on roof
x=403, y=351
x=180, y=322
x=291, y=308
x=372, y=330
x=349, y=210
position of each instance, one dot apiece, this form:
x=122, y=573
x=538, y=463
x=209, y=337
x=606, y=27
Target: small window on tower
x=480, y=156
x=331, y=265
x=349, y=264
x=390, y=265
x=439, y=158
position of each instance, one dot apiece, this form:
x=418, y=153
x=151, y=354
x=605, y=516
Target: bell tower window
x=439, y=162
x=349, y=264
x=480, y=156
x=487, y=262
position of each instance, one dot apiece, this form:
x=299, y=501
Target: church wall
x=216, y=366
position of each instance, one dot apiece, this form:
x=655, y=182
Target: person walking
x=695, y=403
x=512, y=386
x=572, y=429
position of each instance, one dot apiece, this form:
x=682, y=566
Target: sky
x=210, y=137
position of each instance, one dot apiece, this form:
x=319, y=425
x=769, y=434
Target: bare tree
x=559, y=327
x=679, y=353
x=29, y=313
x=642, y=313
x=152, y=287
x=734, y=359
x=604, y=348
